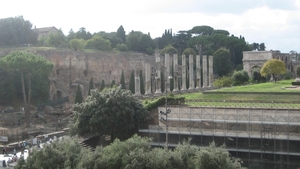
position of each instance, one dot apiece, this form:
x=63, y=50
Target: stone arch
x=255, y=59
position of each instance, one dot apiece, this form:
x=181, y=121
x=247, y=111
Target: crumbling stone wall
x=75, y=67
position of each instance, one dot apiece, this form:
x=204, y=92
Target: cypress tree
x=113, y=83
x=122, y=81
x=131, y=83
x=162, y=81
x=142, y=85
x=91, y=86
x=78, y=97
x=102, y=85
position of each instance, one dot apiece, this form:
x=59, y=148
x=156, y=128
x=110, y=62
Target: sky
x=273, y=22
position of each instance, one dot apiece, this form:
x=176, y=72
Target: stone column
x=204, y=66
x=183, y=72
x=157, y=73
x=198, y=72
x=147, y=78
x=191, y=73
x=167, y=72
x=210, y=71
x=137, y=86
x=175, y=66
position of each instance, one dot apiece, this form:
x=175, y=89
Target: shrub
x=223, y=82
x=122, y=47
x=296, y=83
x=162, y=101
x=287, y=76
x=240, y=77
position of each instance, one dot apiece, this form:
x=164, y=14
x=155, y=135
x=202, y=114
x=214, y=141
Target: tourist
x=15, y=152
x=3, y=163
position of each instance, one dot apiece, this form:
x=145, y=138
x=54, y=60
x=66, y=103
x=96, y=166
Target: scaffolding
x=261, y=137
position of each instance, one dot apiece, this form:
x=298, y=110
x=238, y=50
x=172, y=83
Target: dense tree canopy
x=222, y=64
x=131, y=86
x=16, y=31
x=273, y=67
x=98, y=42
x=114, y=112
x=31, y=67
x=77, y=44
x=169, y=50
x=137, y=41
x=78, y=96
x=134, y=153
x=121, y=34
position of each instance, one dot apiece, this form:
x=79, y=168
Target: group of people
x=5, y=150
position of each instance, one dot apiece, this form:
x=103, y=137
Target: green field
x=266, y=95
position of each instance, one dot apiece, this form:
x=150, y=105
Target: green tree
x=121, y=34
x=112, y=37
x=240, y=77
x=102, y=85
x=77, y=44
x=57, y=39
x=97, y=42
x=66, y=153
x=215, y=158
x=113, y=83
x=273, y=67
x=122, y=47
x=225, y=81
x=169, y=49
x=133, y=153
x=78, y=96
x=222, y=64
x=27, y=65
x=132, y=82
x=162, y=81
x=146, y=44
x=298, y=71
x=91, y=86
x=71, y=35
x=83, y=34
x=114, y=112
x=189, y=51
x=202, y=30
x=180, y=41
x=256, y=74
x=122, y=81
x=16, y=31
x=8, y=91
x=132, y=40
x=142, y=83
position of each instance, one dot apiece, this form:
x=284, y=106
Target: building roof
x=46, y=29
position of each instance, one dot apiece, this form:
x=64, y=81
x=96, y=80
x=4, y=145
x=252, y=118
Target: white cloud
x=277, y=24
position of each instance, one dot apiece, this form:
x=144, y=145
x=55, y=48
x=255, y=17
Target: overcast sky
x=273, y=22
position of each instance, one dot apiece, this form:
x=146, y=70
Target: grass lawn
x=280, y=86
x=232, y=95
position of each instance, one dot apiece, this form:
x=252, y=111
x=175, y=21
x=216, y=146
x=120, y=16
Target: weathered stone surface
x=72, y=68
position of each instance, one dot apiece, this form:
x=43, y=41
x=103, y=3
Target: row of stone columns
x=207, y=74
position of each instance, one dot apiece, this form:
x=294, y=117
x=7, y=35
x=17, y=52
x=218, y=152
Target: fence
x=264, y=133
